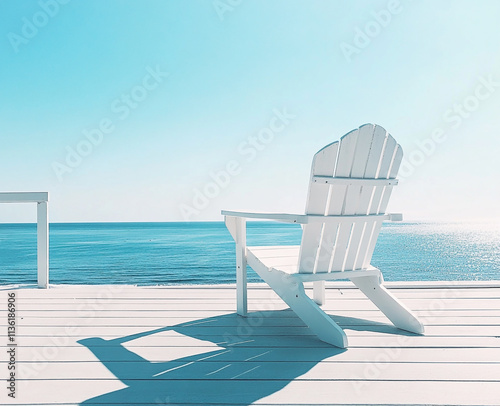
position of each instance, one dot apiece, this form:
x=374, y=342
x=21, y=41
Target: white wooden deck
x=115, y=345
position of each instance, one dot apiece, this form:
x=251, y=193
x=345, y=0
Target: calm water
x=200, y=253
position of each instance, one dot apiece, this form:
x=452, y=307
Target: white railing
x=42, y=199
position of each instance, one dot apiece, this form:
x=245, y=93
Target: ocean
x=203, y=252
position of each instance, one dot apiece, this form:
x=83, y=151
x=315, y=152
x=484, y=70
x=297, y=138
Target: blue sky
x=152, y=110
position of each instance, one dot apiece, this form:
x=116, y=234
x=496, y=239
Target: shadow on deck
x=250, y=364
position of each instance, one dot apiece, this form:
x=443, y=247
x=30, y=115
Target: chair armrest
x=283, y=217
x=310, y=218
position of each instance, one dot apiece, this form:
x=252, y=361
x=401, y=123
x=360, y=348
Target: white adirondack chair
x=351, y=182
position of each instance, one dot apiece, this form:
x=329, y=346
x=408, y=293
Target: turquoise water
x=201, y=253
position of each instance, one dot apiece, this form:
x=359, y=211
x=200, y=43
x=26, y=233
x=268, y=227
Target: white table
x=41, y=199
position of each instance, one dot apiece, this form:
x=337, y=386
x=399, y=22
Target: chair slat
x=358, y=170
x=353, y=204
x=384, y=200
x=323, y=165
x=350, y=238
x=360, y=237
x=386, y=162
x=363, y=146
x=330, y=231
x=372, y=165
x=398, y=157
x=335, y=238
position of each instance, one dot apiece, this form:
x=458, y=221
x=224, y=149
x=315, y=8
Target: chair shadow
x=357, y=324
x=254, y=358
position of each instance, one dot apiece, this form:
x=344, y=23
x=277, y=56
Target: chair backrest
x=343, y=183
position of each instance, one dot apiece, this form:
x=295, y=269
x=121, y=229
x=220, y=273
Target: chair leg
x=241, y=289
x=293, y=294
x=241, y=269
x=319, y=292
x=395, y=311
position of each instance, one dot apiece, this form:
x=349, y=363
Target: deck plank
x=331, y=305
x=244, y=392
x=348, y=319
x=206, y=330
x=272, y=370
